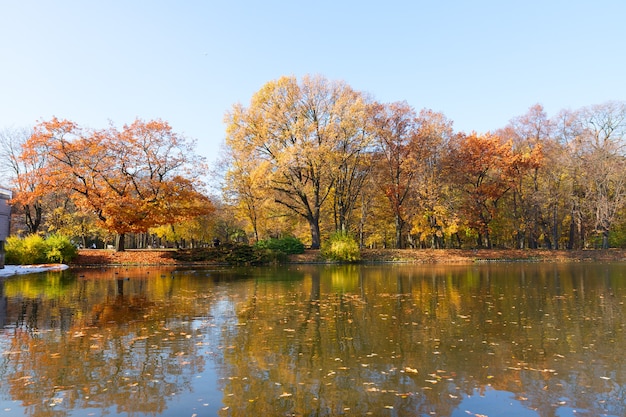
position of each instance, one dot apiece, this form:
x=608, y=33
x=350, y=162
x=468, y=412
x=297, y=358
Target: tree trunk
x=314, y=225
x=33, y=216
x=555, y=225
x=120, y=242
x=399, y=227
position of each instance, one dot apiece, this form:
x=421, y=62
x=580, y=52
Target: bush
x=33, y=249
x=25, y=251
x=59, y=249
x=341, y=247
x=287, y=245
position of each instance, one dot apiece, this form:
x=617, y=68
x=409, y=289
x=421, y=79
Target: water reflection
x=514, y=339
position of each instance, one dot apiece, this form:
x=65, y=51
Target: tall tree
x=19, y=171
x=142, y=176
x=293, y=130
x=431, y=208
x=601, y=147
x=396, y=129
x=244, y=190
x=566, y=177
x=352, y=157
x=528, y=134
x=480, y=166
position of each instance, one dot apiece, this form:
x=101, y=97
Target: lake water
x=392, y=340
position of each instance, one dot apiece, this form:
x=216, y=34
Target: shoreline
x=163, y=257
x=93, y=258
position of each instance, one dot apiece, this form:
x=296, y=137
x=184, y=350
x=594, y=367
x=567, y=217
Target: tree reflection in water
x=508, y=339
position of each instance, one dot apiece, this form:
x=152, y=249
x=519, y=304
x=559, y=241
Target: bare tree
x=600, y=152
x=16, y=168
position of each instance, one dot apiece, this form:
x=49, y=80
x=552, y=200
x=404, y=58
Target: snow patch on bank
x=9, y=270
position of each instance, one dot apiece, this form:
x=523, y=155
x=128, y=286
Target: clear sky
x=187, y=62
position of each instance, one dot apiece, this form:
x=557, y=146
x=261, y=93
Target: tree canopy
x=342, y=161
x=141, y=176
x=311, y=157
x=299, y=135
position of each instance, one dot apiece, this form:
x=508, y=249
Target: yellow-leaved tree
x=291, y=142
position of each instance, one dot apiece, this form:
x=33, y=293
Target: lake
x=514, y=339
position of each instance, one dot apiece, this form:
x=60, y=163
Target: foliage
x=132, y=179
x=287, y=245
x=312, y=156
x=59, y=249
x=480, y=166
x=30, y=207
x=287, y=146
x=396, y=130
x=34, y=249
x=25, y=251
x=341, y=247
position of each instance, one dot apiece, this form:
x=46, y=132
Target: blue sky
x=481, y=63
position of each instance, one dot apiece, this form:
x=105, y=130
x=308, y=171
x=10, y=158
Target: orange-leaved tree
x=481, y=167
x=142, y=176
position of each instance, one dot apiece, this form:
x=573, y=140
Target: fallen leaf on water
x=285, y=394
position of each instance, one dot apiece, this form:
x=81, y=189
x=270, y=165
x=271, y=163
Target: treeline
x=318, y=154
x=314, y=159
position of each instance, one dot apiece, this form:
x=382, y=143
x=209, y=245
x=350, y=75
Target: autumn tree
x=431, y=213
x=353, y=159
x=600, y=147
x=19, y=170
x=245, y=189
x=395, y=127
x=294, y=132
x=480, y=166
x=528, y=134
x=133, y=179
x=562, y=176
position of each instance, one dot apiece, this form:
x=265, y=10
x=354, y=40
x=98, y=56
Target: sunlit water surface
x=394, y=340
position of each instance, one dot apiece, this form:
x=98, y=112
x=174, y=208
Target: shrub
x=341, y=247
x=287, y=245
x=33, y=249
x=25, y=251
x=59, y=249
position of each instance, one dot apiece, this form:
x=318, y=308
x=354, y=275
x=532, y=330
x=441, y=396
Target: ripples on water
x=502, y=339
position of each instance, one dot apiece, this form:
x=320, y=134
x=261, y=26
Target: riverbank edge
x=158, y=257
